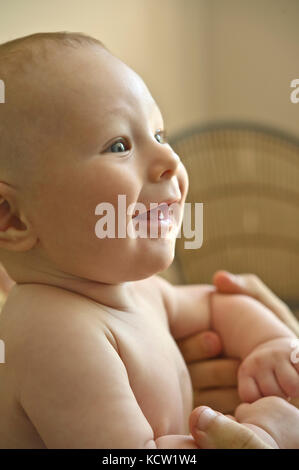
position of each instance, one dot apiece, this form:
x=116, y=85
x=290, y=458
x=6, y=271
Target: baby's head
x=78, y=128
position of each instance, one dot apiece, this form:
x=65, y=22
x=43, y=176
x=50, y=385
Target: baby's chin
x=148, y=268
x=157, y=258
x=146, y=263
x=120, y=266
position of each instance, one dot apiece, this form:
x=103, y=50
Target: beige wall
x=202, y=59
x=254, y=47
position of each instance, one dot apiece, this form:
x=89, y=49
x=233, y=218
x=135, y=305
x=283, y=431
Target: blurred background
x=220, y=71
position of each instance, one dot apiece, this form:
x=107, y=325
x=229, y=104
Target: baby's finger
x=288, y=378
x=204, y=345
x=242, y=412
x=224, y=400
x=268, y=384
x=248, y=389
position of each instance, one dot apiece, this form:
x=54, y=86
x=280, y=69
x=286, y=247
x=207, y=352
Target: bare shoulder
x=71, y=378
x=36, y=318
x=32, y=306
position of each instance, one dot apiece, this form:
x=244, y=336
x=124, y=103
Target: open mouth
x=159, y=213
x=158, y=222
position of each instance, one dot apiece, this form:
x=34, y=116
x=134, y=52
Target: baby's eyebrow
x=116, y=110
x=120, y=110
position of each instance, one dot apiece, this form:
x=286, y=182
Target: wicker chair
x=248, y=179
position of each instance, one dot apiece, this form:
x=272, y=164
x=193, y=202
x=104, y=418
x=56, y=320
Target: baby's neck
x=114, y=296
x=119, y=296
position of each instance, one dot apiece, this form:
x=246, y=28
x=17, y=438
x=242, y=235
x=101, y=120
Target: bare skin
x=53, y=249
x=268, y=423
x=33, y=340
x=82, y=307
x=215, y=381
x=53, y=377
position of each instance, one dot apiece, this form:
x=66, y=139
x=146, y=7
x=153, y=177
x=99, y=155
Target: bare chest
x=157, y=373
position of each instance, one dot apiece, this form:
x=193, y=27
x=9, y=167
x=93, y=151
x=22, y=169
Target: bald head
x=29, y=118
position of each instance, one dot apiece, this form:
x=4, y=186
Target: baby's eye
x=119, y=146
x=162, y=136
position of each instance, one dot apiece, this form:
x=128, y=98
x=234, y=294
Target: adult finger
x=248, y=284
x=203, y=345
x=224, y=400
x=211, y=430
x=220, y=372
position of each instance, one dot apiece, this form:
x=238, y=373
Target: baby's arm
x=75, y=390
x=187, y=306
x=252, y=332
x=244, y=323
x=241, y=321
x=245, y=326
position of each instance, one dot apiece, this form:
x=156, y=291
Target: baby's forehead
x=93, y=80
x=66, y=94
x=100, y=88
x=55, y=79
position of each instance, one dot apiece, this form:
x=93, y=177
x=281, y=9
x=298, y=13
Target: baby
x=89, y=327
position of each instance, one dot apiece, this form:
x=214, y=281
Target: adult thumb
x=212, y=430
x=228, y=283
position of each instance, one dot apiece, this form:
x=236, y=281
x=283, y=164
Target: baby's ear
x=16, y=233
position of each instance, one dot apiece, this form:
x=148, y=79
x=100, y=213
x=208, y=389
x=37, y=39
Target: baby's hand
x=274, y=416
x=268, y=370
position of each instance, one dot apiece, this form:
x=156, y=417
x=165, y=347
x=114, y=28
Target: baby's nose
x=166, y=164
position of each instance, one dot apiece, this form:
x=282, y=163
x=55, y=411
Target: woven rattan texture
x=248, y=180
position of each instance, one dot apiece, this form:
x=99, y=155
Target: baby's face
x=109, y=143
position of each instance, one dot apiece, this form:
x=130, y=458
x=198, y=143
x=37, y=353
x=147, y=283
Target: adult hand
x=214, y=379
x=212, y=430
x=250, y=284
